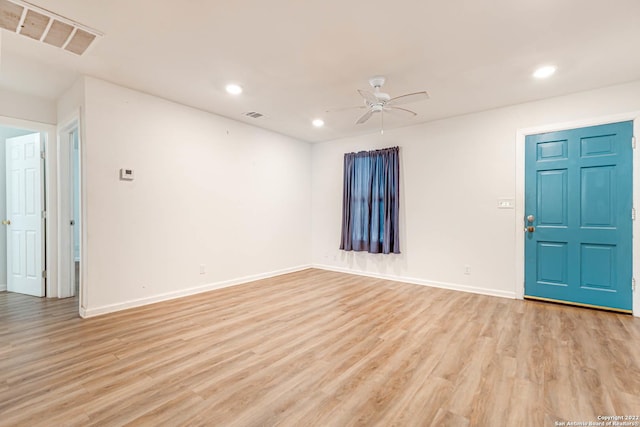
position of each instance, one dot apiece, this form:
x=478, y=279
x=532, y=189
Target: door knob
x=531, y=229
x=6, y=222
x=531, y=218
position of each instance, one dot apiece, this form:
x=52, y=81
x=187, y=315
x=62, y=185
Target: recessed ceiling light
x=318, y=123
x=544, y=72
x=233, y=89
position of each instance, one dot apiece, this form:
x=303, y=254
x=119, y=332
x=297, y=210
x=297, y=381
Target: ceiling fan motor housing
x=377, y=82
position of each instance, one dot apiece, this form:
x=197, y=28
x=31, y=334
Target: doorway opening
x=578, y=200
x=70, y=211
x=26, y=250
x=75, y=202
x=522, y=217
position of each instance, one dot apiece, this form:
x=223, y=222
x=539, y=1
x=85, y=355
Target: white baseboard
x=3, y=288
x=422, y=282
x=97, y=311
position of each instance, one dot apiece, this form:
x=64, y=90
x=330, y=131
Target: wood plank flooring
x=317, y=348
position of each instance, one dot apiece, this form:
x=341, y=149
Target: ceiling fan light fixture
x=380, y=102
x=545, y=71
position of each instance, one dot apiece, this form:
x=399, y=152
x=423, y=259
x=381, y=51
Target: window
x=371, y=201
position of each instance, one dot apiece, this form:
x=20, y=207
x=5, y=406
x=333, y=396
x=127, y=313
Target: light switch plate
x=506, y=204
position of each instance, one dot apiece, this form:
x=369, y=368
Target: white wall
x=27, y=107
x=453, y=172
x=70, y=103
x=207, y=190
x=248, y=203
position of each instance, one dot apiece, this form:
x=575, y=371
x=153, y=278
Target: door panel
x=552, y=198
x=598, y=186
x=578, y=186
x=597, y=266
x=552, y=263
x=24, y=215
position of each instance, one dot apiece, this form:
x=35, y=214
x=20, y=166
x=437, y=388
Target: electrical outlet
x=203, y=269
x=467, y=269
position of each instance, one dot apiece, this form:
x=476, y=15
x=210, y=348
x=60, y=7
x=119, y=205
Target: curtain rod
x=376, y=151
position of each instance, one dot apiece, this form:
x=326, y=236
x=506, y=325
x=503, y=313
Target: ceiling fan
x=380, y=102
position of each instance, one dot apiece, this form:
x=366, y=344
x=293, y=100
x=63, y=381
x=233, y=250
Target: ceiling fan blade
x=368, y=96
x=409, y=98
x=335, y=110
x=366, y=116
x=394, y=109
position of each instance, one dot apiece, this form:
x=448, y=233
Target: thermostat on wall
x=126, y=174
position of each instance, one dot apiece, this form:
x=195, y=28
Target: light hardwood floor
x=317, y=348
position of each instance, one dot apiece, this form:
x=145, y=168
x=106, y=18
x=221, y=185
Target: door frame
x=65, y=241
x=50, y=234
x=520, y=191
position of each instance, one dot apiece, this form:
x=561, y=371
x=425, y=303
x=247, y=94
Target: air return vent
x=45, y=26
x=253, y=115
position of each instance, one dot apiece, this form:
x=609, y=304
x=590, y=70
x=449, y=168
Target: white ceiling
x=297, y=59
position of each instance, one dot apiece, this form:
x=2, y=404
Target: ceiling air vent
x=45, y=26
x=253, y=115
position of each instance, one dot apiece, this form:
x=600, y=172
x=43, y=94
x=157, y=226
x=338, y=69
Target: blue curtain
x=371, y=201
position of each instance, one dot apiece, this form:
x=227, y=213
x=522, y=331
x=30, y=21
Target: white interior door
x=24, y=220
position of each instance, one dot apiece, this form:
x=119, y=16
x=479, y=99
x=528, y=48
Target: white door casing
x=68, y=135
x=25, y=249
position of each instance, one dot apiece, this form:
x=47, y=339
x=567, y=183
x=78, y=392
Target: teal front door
x=578, y=216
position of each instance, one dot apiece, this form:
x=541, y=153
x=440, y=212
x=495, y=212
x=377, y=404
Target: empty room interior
x=410, y=213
